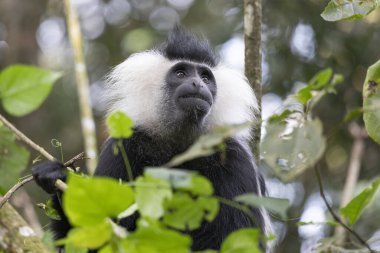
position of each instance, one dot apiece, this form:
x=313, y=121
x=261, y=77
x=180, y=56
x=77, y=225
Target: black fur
x=231, y=177
x=183, y=45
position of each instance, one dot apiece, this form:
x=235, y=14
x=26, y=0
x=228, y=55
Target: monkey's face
x=191, y=89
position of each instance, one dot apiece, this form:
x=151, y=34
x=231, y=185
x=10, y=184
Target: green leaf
x=321, y=79
x=69, y=248
x=49, y=210
x=120, y=125
x=208, y=144
x=89, y=201
x=89, y=236
x=353, y=114
x=371, y=102
x=280, y=118
x=183, y=180
x=23, y=88
x=303, y=95
x=157, y=240
x=290, y=149
x=355, y=208
x=242, y=241
x=275, y=205
x=185, y=212
x=150, y=195
x=13, y=158
x=348, y=9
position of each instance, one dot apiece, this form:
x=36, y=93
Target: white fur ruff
x=135, y=87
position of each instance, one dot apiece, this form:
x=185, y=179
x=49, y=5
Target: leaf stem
x=126, y=160
x=335, y=216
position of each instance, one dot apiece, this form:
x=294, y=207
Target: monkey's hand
x=47, y=173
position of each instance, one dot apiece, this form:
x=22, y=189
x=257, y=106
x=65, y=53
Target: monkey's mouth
x=195, y=96
x=194, y=102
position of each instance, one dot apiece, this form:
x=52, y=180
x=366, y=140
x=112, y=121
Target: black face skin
x=191, y=90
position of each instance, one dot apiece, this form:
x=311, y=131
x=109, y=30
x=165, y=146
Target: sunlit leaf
x=274, y=205
x=89, y=236
x=13, y=159
x=156, y=240
x=321, y=79
x=208, y=144
x=89, y=201
x=291, y=149
x=70, y=248
x=348, y=9
x=280, y=118
x=242, y=241
x=183, y=180
x=371, y=102
x=186, y=212
x=150, y=195
x=355, y=208
x=120, y=125
x=23, y=88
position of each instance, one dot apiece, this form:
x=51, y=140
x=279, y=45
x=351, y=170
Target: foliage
x=348, y=9
x=13, y=159
x=293, y=141
x=23, y=88
x=371, y=101
x=275, y=205
x=208, y=144
x=171, y=200
x=120, y=125
x=354, y=209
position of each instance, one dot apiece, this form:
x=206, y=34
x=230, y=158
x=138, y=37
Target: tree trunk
x=252, y=41
x=16, y=236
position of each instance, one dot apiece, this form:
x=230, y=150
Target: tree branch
x=252, y=41
x=335, y=216
x=20, y=136
x=59, y=183
x=359, y=134
x=87, y=119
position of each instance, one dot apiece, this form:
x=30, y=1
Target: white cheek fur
x=136, y=87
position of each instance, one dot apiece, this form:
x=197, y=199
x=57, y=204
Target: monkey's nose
x=197, y=84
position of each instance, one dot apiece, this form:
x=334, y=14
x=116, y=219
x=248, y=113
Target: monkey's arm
x=45, y=175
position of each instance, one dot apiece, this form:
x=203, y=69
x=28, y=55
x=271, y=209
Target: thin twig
x=25, y=139
x=70, y=163
x=126, y=160
x=335, y=216
x=9, y=194
x=358, y=133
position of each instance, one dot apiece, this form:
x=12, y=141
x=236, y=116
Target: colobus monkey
x=175, y=93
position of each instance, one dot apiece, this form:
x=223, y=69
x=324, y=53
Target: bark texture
x=16, y=236
x=252, y=40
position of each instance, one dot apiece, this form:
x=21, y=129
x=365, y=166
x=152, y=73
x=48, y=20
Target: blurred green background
x=297, y=43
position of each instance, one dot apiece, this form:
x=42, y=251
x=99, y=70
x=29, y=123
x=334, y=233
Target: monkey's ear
x=45, y=175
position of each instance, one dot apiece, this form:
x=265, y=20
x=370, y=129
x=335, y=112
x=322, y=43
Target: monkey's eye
x=205, y=79
x=180, y=73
